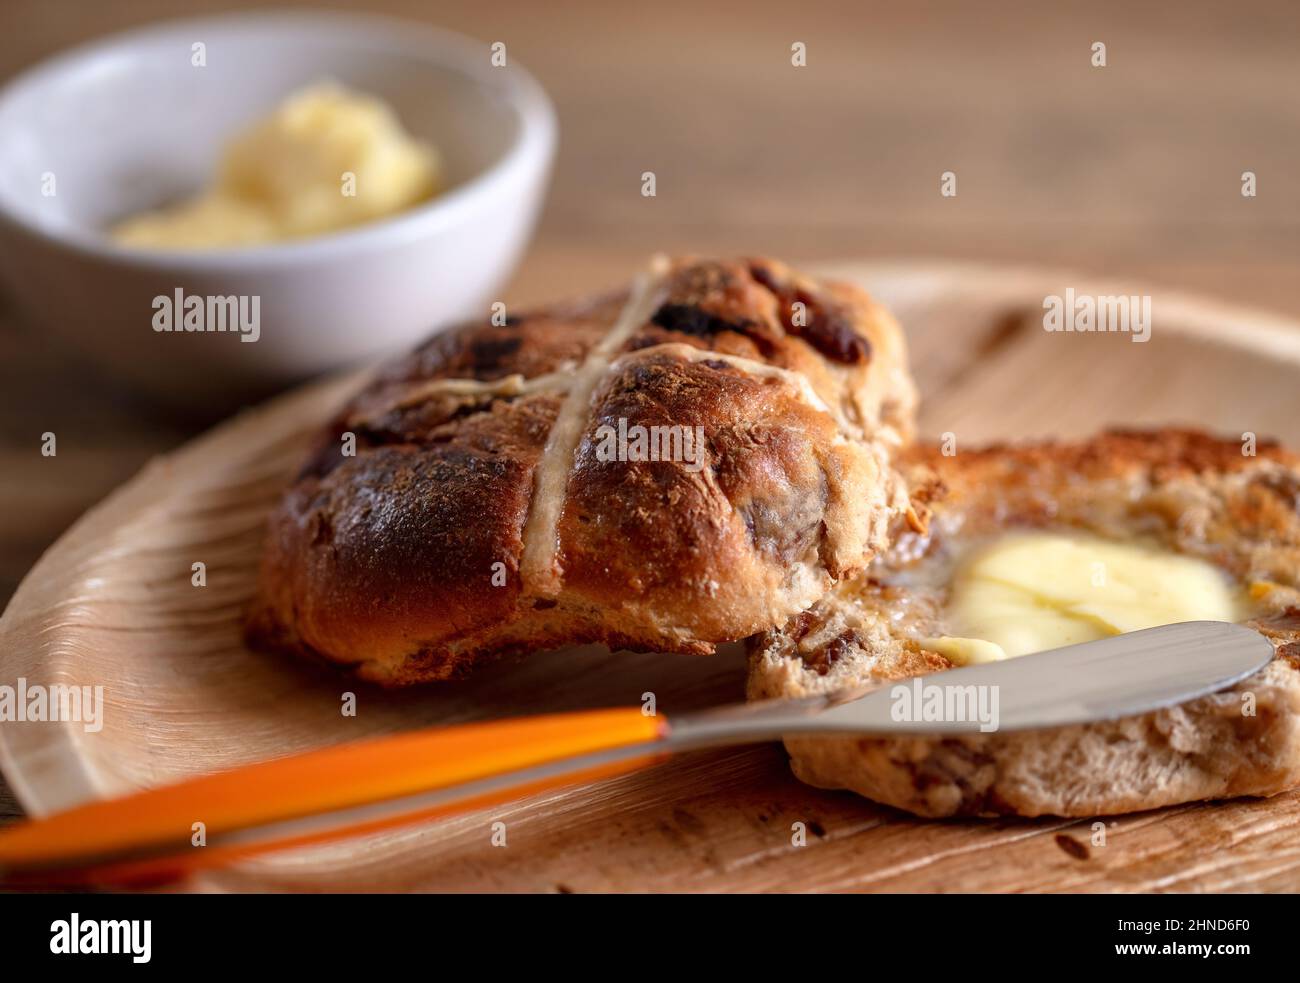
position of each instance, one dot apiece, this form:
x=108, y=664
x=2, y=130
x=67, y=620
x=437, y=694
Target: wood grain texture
x=1130, y=170
x=113, y=603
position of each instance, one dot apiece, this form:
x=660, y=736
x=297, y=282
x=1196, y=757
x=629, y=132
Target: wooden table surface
x=1133, y=169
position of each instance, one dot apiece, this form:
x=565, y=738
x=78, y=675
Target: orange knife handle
x=332, y=778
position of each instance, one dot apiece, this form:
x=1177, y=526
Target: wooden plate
x=112, y=603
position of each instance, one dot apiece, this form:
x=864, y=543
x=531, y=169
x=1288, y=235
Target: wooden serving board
x=112, y=603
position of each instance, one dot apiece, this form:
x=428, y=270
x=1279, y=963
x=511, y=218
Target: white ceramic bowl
x=127, y=123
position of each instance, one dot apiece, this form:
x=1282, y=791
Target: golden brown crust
x=405, y=560
x=1191, y=493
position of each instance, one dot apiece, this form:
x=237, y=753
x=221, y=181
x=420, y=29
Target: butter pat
x=965, y=651
x=326, y=159
x=1036, y=591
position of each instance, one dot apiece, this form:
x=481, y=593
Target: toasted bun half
x=1184, y=490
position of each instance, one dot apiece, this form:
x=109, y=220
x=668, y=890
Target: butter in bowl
x=326, y=159
x=351, y=182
